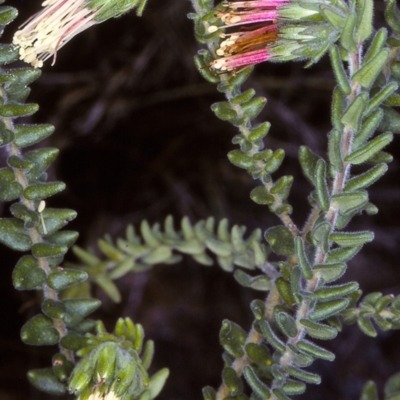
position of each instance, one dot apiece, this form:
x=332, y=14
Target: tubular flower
x=60, y=20
x=254, y=30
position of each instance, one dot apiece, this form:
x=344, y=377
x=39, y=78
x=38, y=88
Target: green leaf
x=281, y=240
x=350, y=202
x=386, y=93
x=315, y=351
x=378, y=42
x=392, y=15
x=286, y=323
x=335, y=150
x=224, y=111
x=39, y=331
x=260, y=195
x=364, y=24
x=318, y=330
x=55, y=219
x=256, y=384
x=305, y=376
x=27, y=135
x=304, y=264
x=352, y=238
x=270, y=335
x=253, y=107
x=260, y=282
x=347, y=36
x=282, y=187
x=27, y=275
x=157, y=382
x=368, y=73
x=332, y=15
x=46, y=250
x=40, y=191
x=258, y=132
x=14, y=235
x=10, y=189
x=330, y=272
x=392, y=387
x=275, y=161
x=232, y=381
x=369, y=391
x=308, y=161
x=343, y=254
x=232, y=338
x=61, y=278
x=367, y=178
x=42, y=158
x=365, y=325
x=371, y=149
x=14, y=110
x=77, y=309
x=352, y=116
x=8, y=53
x=285, y=291
x=7, y=15
x=53, y=308
x=339, y=71
x=336, y=291
x=45, y=380
x=321, y=185
x=327, y=309
x=259, y=354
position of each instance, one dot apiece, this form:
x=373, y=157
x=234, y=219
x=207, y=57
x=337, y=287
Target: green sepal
x=286, y=323
x=7, y=15
x=232, y=338
x=14, y=110
x=10, y=189
x=350, y=202
x=275, y=161
x=392, y=15
x=321, y=185
x=260, y=195
x=42, y=158
x=351, y=239
x=318, y=330
x=365, y=325
x=384, y=95
x=304, y=264
x=13, y=234
x=27, y=275
x=280, y=239
x=258, y=132
x=305, y=376
x=370, y=150
x=352, y=116
x=61, y=278
x=78, y=309
x=339, y=71
x=81, y=376
x=364, y=24
x=343, y=254
x=336, y=291
x=8, y=53
x=256, y=384
x=39, y=331
x=259, y=354
x=46, y=380
x=46, y=250
x=39, y=191
x=330, y=272
x=347, y=36
x=327, y=309
x=335, y=150
x=285, y=291
x=331, y=14
x=104, y=358
x=232, y=381
x=378, y=42
x=366, y=179
x=293, y=388
x=315, y=351
x=27, y=135
x=55, y=219
x=368, y=73
x=157, y=382
x=369, y=391
x=53, y=308
x=270, y=335
x=259, y=282
x=308, y=161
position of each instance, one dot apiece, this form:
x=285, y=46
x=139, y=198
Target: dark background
x=137, y=141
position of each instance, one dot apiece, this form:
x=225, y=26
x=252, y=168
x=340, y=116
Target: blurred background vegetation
x=137, y=141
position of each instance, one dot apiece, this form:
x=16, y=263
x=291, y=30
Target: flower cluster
x=60, y=20
x=254, y=28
